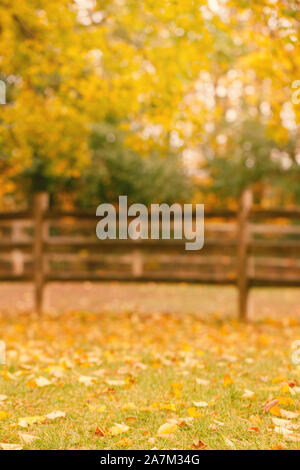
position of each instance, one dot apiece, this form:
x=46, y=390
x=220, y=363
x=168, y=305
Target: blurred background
x=174, y=101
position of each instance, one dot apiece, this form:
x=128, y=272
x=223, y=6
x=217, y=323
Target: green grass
x=159, y=357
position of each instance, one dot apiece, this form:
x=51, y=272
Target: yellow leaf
x=166, y=429
x=193, y=412
x=124, y=442
x=227, y=380
x=28, y=420
x=4, y=415
x=285, y=401
x=128, y=406
x=176, y=386
x=285, y=389
x=275, y=411
x=118, y=429
x=7, y=375
x=101, y=408
x=278, y=379
x=168, y=406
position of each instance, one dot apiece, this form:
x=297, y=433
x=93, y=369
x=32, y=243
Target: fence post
x=137, y=263
x=40, y=205
x=245, y=204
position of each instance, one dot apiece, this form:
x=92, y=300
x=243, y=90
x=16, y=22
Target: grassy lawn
x=207, y=382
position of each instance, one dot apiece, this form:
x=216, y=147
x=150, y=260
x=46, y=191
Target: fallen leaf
x=56, y=371
x=202, y=382
x=200, y=404
x=166, y=429
x=285, y=401
x=99, y=432
x=118, y=429
x=227, y=380
x=10, y=446
x=101, y=408
x=286, y=389
x=115, y=383
x=39, y=382
x=285, y=423
x=229, y=443
x=275, y=410
x=269, y=405
x=55, y=414
x=123, y=442
x=131, y=419
x=193, y=412
x=4, y=415
x=128, y=406
x=288, y=414
x=198, y=444
x=86, y=380
x=287, y=433
x=253, y=429
x=29, y=420
x=248, y=394
x=27, y=438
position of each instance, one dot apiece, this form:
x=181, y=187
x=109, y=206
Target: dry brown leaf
x=198, y=444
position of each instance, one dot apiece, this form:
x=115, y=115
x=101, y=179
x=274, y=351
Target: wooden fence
x=246, y=248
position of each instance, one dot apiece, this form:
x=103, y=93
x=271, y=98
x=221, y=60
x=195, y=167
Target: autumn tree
x=209, y=80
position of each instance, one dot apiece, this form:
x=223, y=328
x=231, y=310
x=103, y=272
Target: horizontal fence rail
x=246, y=248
